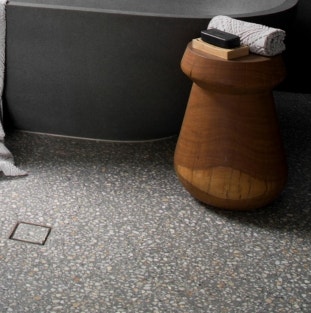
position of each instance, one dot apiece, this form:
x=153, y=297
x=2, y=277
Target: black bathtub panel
x=96, y=74
x=80, y=73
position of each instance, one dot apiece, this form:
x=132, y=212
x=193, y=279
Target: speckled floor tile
x=127, y=237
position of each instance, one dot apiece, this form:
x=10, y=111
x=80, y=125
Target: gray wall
x=298, y=56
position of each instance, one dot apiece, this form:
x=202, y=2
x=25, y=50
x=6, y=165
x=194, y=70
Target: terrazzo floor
x=111, y=229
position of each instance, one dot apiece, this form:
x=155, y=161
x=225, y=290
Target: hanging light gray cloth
x=6, y=158
x=261, y=39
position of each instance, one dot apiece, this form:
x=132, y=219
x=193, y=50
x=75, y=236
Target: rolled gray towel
x=261, y=39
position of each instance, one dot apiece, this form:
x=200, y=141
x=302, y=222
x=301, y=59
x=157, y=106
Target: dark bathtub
x=110, y=69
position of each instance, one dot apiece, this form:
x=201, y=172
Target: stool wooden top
x=248, y=72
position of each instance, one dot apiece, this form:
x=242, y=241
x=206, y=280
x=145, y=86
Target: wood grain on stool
x=229, y=152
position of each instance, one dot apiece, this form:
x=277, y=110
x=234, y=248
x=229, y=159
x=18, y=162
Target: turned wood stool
x=229, y=152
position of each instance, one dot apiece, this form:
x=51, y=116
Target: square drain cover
x=31, y=233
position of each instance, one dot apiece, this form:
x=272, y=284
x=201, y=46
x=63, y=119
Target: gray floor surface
x=107, y=227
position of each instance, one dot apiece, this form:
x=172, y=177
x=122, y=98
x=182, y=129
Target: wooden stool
x=229, y=152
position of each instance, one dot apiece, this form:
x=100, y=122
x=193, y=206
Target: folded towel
x=261, y=39
x=6, y=158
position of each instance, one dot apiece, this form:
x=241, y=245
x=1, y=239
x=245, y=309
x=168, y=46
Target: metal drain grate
x=31, y=233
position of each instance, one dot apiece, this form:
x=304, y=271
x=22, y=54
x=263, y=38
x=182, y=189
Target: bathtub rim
x=285, y=6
